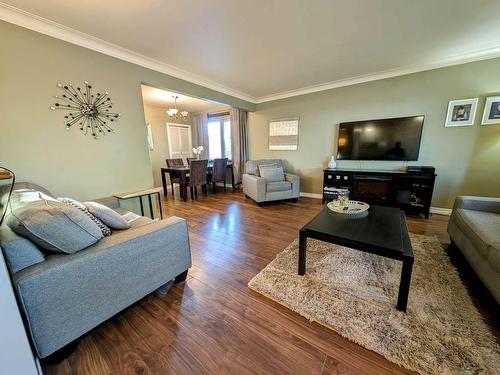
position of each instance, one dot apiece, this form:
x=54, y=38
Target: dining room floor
x=213, y=323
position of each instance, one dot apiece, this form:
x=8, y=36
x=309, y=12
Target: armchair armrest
x=254, y=187
x=478, y=204
x=295, y=180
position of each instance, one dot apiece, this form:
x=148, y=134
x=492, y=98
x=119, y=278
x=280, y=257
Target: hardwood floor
x=213, y=323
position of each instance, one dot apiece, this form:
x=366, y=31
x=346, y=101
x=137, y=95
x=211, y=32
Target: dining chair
x=171, y=163
x=189, y=160
x=198, y=176
x=219, y=172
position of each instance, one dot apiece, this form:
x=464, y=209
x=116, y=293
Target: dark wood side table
x=142, y=193
x=383, y=231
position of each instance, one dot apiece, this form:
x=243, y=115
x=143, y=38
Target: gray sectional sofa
x=474, y=227
x=63, y=296
x=262, y=190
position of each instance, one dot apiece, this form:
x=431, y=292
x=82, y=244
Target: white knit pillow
x=108, y=216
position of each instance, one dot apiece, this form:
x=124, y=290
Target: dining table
x=182, y=172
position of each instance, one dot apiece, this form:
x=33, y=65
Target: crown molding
x=42, y=25
x=479, y=55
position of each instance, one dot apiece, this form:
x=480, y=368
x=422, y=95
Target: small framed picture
x=491, y=114
x=461, y=112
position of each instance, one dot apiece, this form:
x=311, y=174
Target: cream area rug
x=355, y=294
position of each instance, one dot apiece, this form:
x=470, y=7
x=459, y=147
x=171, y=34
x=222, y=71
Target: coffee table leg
x=302, y=252
x=404, y=285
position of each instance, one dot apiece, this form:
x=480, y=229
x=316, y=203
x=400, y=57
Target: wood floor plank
x=213, y=323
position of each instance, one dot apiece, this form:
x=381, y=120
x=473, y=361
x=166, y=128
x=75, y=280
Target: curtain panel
x=200, y=123
x=239, y=141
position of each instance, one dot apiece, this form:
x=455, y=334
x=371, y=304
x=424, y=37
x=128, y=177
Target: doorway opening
x=171, y=119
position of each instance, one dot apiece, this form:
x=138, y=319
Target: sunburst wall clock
x=91, y=113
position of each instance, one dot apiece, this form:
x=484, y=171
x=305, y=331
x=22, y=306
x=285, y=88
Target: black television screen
x=388, y=139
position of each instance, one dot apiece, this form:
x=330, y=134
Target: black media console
x=410, y=191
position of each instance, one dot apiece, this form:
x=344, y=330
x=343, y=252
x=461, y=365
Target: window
x=219, y=137
x=284, y=134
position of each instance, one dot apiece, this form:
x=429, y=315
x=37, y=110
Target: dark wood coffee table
x=383, y=231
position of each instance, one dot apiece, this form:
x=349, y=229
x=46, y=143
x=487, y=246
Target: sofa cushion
x=272, y=172
x=53, y=225
x=483, y=228
x=108, y=216
x=19, y=252
x=80, y=206
x=133, y=220
x=494, y=256
x=278, y=186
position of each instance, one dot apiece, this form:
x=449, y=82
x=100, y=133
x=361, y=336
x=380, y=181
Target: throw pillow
x=104, y=229
x=19, y=252
x=54, y=226
x=108, y=216
x=272, y=172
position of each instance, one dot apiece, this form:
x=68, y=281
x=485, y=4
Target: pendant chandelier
x=175, y=114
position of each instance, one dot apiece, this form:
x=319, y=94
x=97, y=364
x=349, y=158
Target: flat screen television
x=387, y=139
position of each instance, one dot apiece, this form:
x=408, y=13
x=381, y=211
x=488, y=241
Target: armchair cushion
x=482, y=227
x=278, y=186
x=272, y=172
x=252, y=166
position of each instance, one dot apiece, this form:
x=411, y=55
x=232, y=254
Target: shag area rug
x=355, y=294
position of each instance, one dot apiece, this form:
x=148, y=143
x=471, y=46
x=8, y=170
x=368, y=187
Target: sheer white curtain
x=239, y=141
x=200, y=123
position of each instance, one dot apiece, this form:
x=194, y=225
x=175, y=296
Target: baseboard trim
x=441, y=211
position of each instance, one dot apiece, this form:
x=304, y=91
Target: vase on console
x=332, y=164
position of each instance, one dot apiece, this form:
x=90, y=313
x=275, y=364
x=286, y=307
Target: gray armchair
x=474, y=227
x=260, y=190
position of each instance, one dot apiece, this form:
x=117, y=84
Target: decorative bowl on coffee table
x=352, y=207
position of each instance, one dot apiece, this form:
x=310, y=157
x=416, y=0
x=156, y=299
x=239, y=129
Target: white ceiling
x=165, y=99
x=255, y=49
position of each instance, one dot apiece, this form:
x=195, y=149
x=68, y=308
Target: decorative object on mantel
x=332, y=164
x=175, y=114
x=284, y=134
x=197, y=151
x=491, y=114
x=461, y=112
x=92, y=113
x=7, y=174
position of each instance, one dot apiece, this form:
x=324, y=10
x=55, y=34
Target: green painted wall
x=33, y=140
x=467, y=159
